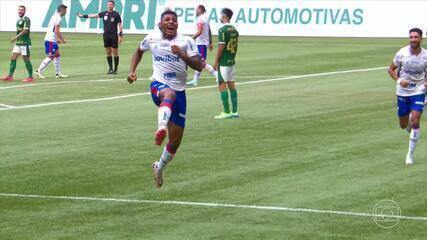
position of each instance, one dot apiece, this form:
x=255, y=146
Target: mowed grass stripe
x=194, y=88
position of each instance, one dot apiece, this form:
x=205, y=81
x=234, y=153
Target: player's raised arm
x=193, y=60
x=136, y=59
x=93, y=15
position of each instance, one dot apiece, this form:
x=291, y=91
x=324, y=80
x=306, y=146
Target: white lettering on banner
x=329, y=18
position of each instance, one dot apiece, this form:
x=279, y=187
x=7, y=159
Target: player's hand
x=59, y=41
x=215, y=66
x=403, y=83
x=210, y=47
x=176, y=50
x=120, y=40
x=12, y=40
x=64, y=41
x=131, y=78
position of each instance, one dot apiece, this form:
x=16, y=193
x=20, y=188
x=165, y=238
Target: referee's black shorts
x=111, y=40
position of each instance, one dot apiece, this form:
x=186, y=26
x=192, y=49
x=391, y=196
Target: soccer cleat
x=7, y=78
x=160, y=136
x=114, y=72
x=409, y=159
x=28, y=80
x=234, y=115
x=60, y=75
x=192, y=82
x=157, y=174
x=110, y=71
x=223, y=115
x=39, y=74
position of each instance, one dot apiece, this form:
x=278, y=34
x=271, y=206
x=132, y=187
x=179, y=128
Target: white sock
x=210, y=69
x=164, y=113
x=165, y=158
x=57, y=61
x=196, y=76
x=413, y=139
x=44, y=64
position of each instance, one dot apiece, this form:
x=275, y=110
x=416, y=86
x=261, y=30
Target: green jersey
x=23, y=23
x=229, y=36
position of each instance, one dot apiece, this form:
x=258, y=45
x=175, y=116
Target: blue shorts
x=203, y=51
x=50, y=48
x=179, y=107
x=412, y=103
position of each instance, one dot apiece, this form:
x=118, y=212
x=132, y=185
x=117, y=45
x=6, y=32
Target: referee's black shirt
x=111, y=19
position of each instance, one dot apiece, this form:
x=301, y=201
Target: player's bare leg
x=414, y=134
x=12, y=67
x=109, y=60
x=175, y=137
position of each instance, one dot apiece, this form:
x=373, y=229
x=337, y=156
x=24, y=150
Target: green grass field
x=327, y=142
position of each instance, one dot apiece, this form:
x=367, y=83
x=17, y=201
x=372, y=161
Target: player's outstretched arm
x=94, y=15
x=136, y=59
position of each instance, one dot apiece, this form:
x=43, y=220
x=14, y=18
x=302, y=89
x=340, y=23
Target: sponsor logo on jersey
x=166, y=58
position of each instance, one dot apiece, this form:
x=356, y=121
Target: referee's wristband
x=121, y=34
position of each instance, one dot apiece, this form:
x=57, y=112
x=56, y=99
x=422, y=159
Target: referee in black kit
x=112, y=25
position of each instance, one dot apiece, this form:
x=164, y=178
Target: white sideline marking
x=6, y=106
x=192, y=89
x=119, y=80
x=205, y=204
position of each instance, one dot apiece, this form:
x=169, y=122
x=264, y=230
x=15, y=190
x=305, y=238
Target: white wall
x=266, y=18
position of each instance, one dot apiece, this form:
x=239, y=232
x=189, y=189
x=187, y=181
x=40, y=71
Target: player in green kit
x=22, y=46
x=228, y=39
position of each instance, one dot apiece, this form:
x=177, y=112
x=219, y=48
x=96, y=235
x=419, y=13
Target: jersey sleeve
x=101, y=14
x=191, y=48
x=397, y=60
x=145, y=45
x=221, y=36
x=27, y=23
x=57, y=20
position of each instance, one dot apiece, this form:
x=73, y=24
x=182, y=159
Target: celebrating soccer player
x=22, y=46
x=228, y=39
x=172, y=54
x=203, y=38
x=52, y=39
x=112, y=23
x=408, y=69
